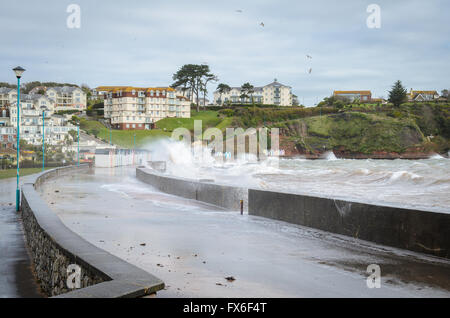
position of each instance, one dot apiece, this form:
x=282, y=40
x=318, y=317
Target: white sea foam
x=414, y=182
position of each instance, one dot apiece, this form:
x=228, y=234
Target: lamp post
x=43, y=136
x=18, y=71
x=78, y=139
x=110, y=136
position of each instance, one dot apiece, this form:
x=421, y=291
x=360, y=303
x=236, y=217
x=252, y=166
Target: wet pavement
x=16, y=278
x=193, y=246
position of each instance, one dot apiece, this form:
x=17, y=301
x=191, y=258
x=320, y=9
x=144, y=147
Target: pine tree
x=397, y=95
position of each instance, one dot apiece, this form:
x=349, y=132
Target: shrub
x=227, y=112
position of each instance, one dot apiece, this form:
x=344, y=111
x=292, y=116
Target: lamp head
x=19, y=71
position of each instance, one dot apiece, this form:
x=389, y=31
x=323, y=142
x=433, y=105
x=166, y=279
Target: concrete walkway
x=16, y=278
x=193, y=247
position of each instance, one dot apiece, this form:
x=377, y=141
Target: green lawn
x=209, y=118
x=122, y=138
x=10, y=173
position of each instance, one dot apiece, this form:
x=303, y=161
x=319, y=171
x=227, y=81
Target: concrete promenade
x=193, y=246
x=16, y=278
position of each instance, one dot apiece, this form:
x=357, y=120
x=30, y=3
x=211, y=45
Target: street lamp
x=44, y=108
x=18, y=71
x=78, y=138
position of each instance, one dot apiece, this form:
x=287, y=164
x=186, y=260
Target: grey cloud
x=144, y=42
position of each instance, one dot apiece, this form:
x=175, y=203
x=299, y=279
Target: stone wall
x=50, y=261
x=54, y=247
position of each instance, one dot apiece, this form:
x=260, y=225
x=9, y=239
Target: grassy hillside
x=353, y=132
x=122, y=138
x=363, y=129
x=209, y=118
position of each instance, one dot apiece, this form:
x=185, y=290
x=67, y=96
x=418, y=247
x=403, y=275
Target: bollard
x=242, y=207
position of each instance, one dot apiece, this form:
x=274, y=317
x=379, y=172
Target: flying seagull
x=310, y=70
x=240, y=11
x=309, y=56
x=261, y=24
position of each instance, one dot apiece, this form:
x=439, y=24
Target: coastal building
x=101, y=91
x=139, y=108
x=37, y=90
x=4, y=116
x=378, y=100
x=7, y=95
x=180, y=91
x=7, y=138
x=274, y=93
x=67, y=98
x=362, y=96
x=31, y=118
x=422, y=96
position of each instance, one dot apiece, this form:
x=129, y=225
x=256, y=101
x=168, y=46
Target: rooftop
x=353, y=92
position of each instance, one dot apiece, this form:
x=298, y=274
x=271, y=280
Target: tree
x=247, y=91
x=445, y=94
x=73, y=134
x=397, y=95
x=4, y=84
x=223, y=89
x=208, y=78
x=193, y=77
x=87, y=90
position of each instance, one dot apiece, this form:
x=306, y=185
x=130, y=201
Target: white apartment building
x=140, y=108
x=31, y=118
x=67, y=98
x=274, y=93
x=7, y=95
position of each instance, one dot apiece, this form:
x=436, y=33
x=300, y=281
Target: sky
x=143, y=43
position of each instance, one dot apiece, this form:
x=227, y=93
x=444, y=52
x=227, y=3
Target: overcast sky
x=143, y=43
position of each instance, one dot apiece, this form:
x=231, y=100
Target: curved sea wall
x=56, y=250
x=416, y=230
